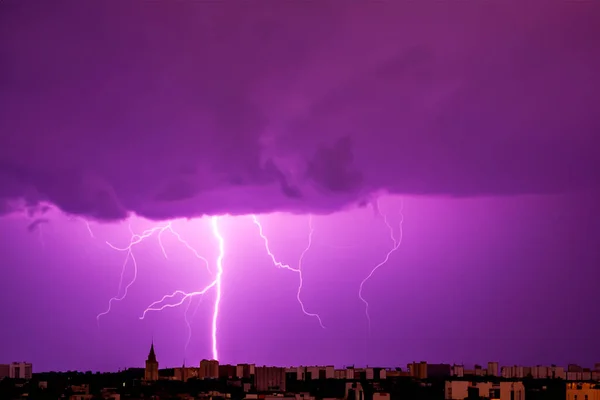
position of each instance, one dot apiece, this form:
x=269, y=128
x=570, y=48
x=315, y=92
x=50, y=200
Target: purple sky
x=481, y=117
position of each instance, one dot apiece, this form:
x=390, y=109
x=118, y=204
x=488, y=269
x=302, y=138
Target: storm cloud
x=172, y=109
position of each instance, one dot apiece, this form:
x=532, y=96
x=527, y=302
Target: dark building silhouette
x=439, y=370
x=151, y=372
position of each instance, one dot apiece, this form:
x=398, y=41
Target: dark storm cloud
x=332, y=168
x=193, y=108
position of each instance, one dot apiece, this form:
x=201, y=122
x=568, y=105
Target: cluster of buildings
x=573, y=372
x=491, y=382
x=82, y=392
x=16, y=370
x=211, y=380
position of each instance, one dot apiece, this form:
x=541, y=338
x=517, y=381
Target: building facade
x=209, y=369
x=245, y=371
x=459, y=390
x=184, y=373
x=493, y=369
x=583, y=391
x=418, y=370
x=20, y=370
x=269, y=379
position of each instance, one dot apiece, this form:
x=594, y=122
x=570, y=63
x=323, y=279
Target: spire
x=152, y=355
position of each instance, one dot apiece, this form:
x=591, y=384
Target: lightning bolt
x=179, y=297
x=161, y=304
x=135, y=240
x=187, y=321
x=297, y=270
x=395, y=247
x=215, y=317
x=131, y=257
x=89, y=228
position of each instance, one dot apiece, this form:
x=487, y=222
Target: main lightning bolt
x=217, y=234
x=160, y=305
x=395, y=247
x=297, y=270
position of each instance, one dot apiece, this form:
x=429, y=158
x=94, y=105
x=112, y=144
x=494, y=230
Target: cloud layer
x=194, y=108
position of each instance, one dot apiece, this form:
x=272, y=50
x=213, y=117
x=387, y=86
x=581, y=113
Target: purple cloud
x=36, y=224
x=192, y=108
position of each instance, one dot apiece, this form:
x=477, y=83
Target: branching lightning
x=297, y=270
x=187, y=320
x=117, y=297
x=396, y=245
x=161, y=304
x=179, y=297
x=137, y=239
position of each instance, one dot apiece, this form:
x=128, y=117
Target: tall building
x=458, y=371
x=20, y=370
x=492, y=369
x=227, y=371
x=151, y=372
x=209, y=369
x=269, y=379
x=184, y=373
x=245, y=371
x=418, y=370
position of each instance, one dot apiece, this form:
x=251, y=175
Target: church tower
x=151, y=372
